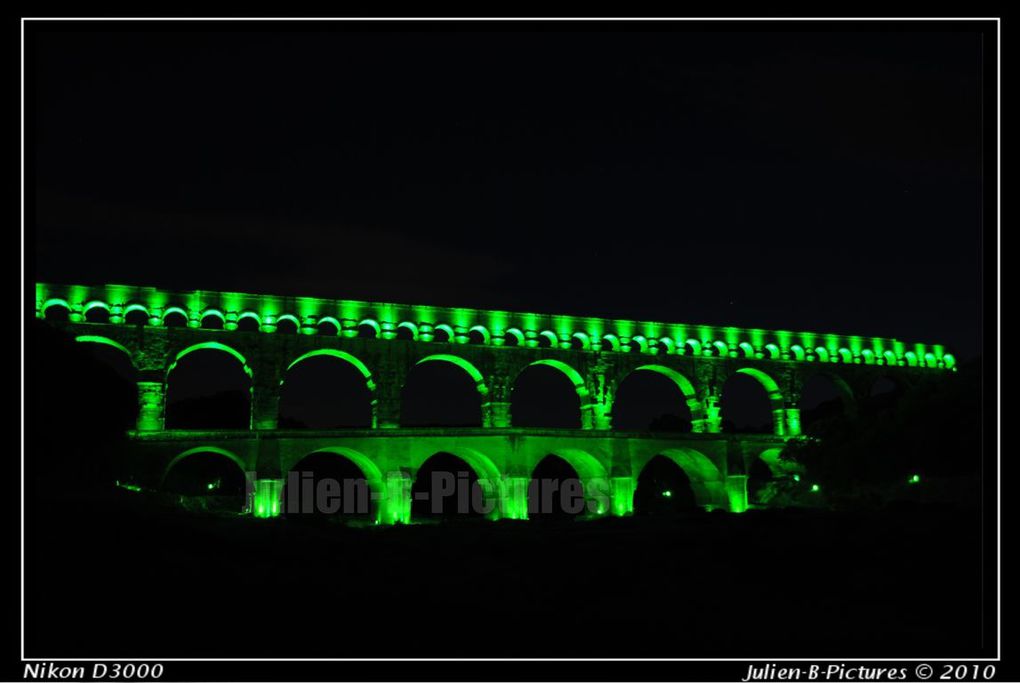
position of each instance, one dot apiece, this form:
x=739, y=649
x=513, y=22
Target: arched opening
x=513, y=337
x=406, y=332
x=556, y=491
x=653, y=398
x=823, y=398
x=883, y=394
x=175, y=318
x=136, y=317
x=368, y=329
x=692, y=347
x=328, y=485
x=208, y=479
x=547, y=340
x=637, y=345
x=442, y=391
x=98, y=313
x=111, y=354
x=579, y=341
x=663, y=488
x=248, y=323
x=545, y=396
x=286, y=325
x=208, y=387
x=478, y=335
x=57, y=312
x=446, y=487
x=748, y=398
x=328, y=327
x=212, y=321
x=325, y=390
x=442, y=334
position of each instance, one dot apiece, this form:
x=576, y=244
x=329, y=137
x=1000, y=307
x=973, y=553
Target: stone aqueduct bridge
x=268, y=334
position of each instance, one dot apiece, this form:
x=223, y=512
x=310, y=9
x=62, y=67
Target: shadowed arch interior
x=326, y=389
x=333, y=482
x=654, y=398
x=705, y=478
x=547, y=394
x=443, y=390
x=447, y=487
x=663, y=488
x=556, y=490
x=207, y=472
x=208, y=386
x=748, y=398
x=825, y=396
x=111, y=352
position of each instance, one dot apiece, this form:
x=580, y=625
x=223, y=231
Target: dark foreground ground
x=124, y=577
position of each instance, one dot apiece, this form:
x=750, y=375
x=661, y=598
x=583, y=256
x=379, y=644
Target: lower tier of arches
x=407, y=475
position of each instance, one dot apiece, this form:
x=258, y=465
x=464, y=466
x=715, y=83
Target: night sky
x=804, y=181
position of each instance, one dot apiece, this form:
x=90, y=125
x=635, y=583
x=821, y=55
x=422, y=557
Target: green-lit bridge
x=269, y=335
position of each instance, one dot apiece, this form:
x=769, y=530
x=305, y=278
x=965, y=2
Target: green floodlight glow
x=267, y=498
x=667, y=494
x=562, y=330
x=914, y=479
x=815, y=488
x=796, y=477
x=128, y=487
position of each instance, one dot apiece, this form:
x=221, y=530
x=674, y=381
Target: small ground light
x=796, y=477
x=914, y=479
x=815, y=488
x=667, y=494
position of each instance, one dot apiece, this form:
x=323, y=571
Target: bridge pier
x=151, y=404
x=395, y=505
x=496, y=414
x=513, y=497
x=265, y=407
x=266, y=498
x=736, y=492
x=792, y=422
x=621, y=493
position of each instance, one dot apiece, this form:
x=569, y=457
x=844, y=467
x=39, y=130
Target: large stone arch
x=565, y=370
x=374, y=477
x=346, y=358
x=843, y=388
x=482, y=465
x=217, y=346
x=485, y=470
x=202, y=449
x=686, y=387
x=461, y=363
x=106, y=341
x=573, y=375
x=706, y=479
x=593, y=475
x=770, y=385
x=776, y=400
x=342, y=355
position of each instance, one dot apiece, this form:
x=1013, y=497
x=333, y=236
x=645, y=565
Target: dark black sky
x=823, y=181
